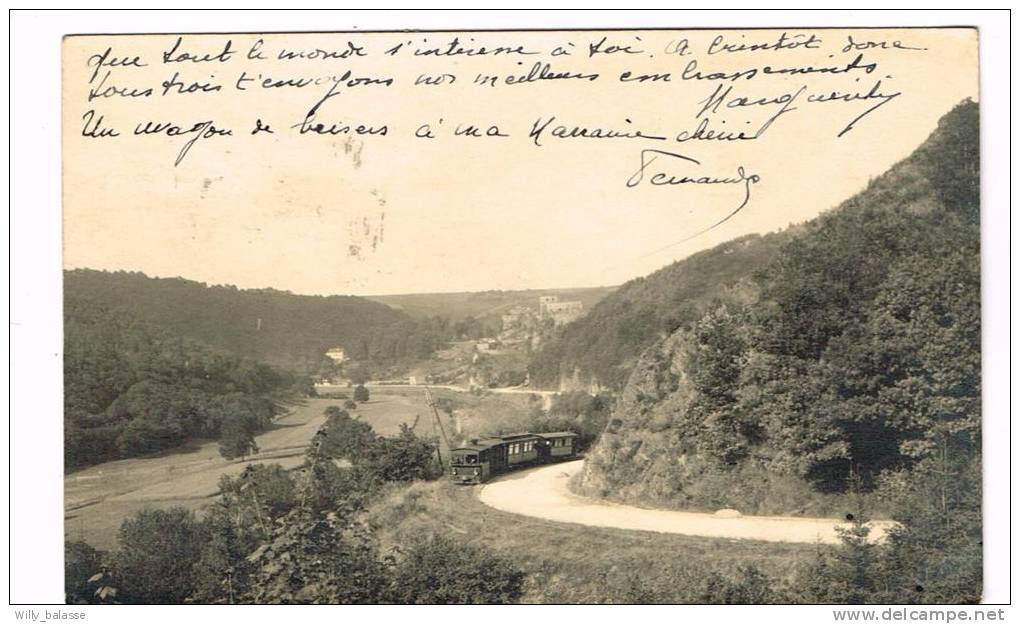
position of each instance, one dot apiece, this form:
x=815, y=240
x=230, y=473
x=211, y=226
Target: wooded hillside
x=131, y=388
x=604, y=345
x=271, y=326
x=857, y=368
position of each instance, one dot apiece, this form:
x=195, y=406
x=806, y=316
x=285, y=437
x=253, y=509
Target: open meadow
x=98, y=498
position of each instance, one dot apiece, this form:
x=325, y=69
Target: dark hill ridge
x=268, y=325
x=857, y=359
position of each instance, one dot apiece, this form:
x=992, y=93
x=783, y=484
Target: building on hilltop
x=561, y=312
x=522, y=324
x=337, y=354
x=546, y=300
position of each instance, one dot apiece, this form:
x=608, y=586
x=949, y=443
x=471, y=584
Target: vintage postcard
x=522, y=316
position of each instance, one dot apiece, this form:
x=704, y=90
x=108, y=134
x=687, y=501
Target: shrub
x=243, y=517
x=403, y=458
x=438, y=570
x=933, y=556
x=342, y=437
x=319, y=559
x=265, y=489
x=333, y=487
x=223, y=572
x=81, y=563
x=747, y=586
x=157, y=556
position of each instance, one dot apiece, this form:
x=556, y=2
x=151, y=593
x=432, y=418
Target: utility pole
x=230, y=584
x=437, y=423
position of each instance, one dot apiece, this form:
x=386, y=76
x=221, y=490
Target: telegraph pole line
x=437, y=422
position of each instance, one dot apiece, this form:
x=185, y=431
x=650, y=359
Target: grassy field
x=474, y=415
x=97, y=499
x=567, y=563
x=386, y=410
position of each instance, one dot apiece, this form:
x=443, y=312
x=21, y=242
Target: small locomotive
x=484, y=458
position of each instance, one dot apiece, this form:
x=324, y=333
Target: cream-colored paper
x=371, y=163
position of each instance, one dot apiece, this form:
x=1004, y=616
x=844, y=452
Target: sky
x=395, y=213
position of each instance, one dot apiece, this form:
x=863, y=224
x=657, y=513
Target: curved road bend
x=542, y=493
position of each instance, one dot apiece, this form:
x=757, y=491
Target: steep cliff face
x=641, y=449
x=662, y=447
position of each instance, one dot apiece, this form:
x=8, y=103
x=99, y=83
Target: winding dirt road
x=543, y=493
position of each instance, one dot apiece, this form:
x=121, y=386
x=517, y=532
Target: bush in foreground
x=157, y=556
x=81, y=563
x=438, y=570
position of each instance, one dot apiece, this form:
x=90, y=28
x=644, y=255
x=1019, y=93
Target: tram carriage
x=484, y=458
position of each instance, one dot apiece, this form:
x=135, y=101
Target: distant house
x=544, y=301
x=561, y=312
x=337, y=354
x=487, y=345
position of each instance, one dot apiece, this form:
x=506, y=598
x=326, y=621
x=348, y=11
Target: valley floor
x=99, y=498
